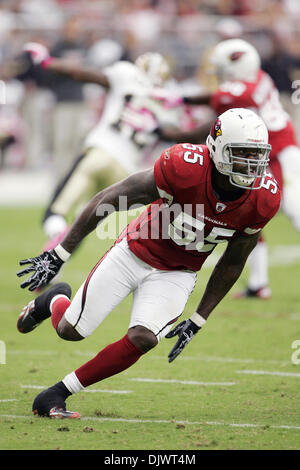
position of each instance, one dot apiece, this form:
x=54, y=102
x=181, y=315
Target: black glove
x=44, y=268
x=185, y=330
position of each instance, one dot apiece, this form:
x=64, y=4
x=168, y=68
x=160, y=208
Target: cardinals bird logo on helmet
x=216, y=130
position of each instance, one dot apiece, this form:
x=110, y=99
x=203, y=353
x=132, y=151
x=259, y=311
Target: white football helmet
x=155, y=66
x=235, y=59
x=233, y=135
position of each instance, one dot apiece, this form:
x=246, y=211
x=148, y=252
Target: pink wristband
x=46, y=62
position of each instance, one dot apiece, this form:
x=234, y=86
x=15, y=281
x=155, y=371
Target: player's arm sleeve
x=119, y=73
x=239, y=97
x=267, y=207
x=173, y=173
x=255, y=228
x=203, y=99
x=136, y=189
x=77, y=72
x=220, y=102
x=194, y=136
x=164, y=175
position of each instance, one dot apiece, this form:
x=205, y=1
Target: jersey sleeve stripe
x=163, y=194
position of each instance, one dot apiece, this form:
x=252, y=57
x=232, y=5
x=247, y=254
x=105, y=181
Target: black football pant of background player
x=59, y=188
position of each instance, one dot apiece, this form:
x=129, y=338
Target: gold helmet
x=155, y=66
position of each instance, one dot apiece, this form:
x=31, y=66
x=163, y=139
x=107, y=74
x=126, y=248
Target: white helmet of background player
x=155, y=66
x=233, y=135
x=235, y=59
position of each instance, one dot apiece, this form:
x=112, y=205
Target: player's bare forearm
x=14, y=67
x=226, y=273
x=219, y=284
x=198, y=99
x=195, y=136
x=139, y=188
x=77, y=72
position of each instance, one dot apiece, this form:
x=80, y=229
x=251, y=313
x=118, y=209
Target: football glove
x=186, y=331
x=38, y=53
x=44, y=268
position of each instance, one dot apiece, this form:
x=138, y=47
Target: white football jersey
x=130, y=116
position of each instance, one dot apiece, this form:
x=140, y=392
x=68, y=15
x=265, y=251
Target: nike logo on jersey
x=220, y=207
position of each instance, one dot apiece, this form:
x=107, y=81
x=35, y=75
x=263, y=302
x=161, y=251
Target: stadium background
x=241, y=335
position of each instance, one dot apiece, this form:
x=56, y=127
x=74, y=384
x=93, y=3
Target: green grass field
x=233, y=387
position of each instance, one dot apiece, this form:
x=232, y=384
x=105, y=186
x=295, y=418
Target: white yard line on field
x=185, y=382
x=32, y=352
x=203, y=358
x=108, y=391
x=198, y=357
x=44, y=387
x=8, y=399
x=165, y=421
x=279, y=255
x=294, y=316
x=37, y=387
x=265, y=372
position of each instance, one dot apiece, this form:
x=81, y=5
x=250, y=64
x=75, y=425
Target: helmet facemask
x=243, y=171
x=238, y=146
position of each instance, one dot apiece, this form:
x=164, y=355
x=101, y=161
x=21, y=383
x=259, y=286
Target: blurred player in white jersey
x=242, y=84
x=121, y=140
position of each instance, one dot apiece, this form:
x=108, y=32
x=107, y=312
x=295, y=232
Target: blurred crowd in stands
x=41, y=122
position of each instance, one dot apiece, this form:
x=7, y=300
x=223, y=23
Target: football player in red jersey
x=243, y=84
x=197, y=196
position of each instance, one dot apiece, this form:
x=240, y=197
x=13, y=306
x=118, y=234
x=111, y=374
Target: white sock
x=258, y=264
x=72, y=383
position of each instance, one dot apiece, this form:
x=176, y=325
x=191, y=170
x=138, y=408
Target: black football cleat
x=26, y=322
x=38, y=310
x=51, y=403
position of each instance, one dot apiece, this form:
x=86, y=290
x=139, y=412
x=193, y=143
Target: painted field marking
x=42, y=387
x=209, y=359
x=265, y=372
x=198, y=357
x=37, y=387
x=109, y=391
x=185, y=382
x=7, y=307
x=204, y=358
x=294, y=316
x=8, y=399
x=226, y=360
x=166, y=421
x=280, y=255
x=32, y=352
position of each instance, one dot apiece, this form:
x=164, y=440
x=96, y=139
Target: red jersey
x=182, y=228
x=262, y=97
